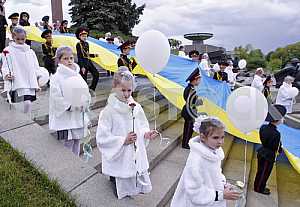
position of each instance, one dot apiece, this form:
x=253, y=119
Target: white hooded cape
x=60, y=118
x=201, y=178
x=22, y=63
x=118, y=160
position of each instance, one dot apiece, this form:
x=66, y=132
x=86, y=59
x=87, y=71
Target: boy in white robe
x=63, y=117
x=122, y=136
x=20, y=70
x=202, y=182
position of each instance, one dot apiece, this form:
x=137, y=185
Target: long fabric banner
x=171, y=82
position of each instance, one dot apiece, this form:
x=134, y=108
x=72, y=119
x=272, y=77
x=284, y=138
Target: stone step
x=288, y=181
x=226, y=147
x=163, y=122
x=257, y=199
x=234, y=165
x=41, y=107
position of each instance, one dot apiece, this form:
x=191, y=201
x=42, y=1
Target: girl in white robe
x=20, y=70
x=64, y=118
x=123, y=149
x=202, y=182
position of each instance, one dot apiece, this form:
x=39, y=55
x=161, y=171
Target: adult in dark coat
x=84, y=57
x=3, y=26
x=271, y=145
x=189, y=110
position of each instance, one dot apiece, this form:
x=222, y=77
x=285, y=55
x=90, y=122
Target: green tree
x=274, y=64
x=106, y=15
x=175, y=43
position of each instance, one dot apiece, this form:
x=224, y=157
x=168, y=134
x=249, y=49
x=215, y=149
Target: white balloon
x=242, y=64
x=76, y=92
x=247, y=108
x=43, y=76
x=152, y=51
x=293, y=92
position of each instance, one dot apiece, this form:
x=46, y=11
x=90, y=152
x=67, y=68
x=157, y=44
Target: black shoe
x=265, y=192
x=185, y=147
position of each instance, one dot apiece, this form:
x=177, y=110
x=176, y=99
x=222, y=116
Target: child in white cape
x=20, y=70
x=123, y=147
x=63, y=117
x=202, y=182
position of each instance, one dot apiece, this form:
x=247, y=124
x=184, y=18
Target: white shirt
x=283, y=97
x=258, y=83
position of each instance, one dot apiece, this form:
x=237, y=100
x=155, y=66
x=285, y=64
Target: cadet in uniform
x=189, y=110
x=271, y=145
x=64, y=27
x=48, y=51
x=24, y=21
x=221, y=75
x=14, y=21
x=84, y=61
x=123, y=59
x=45, y=20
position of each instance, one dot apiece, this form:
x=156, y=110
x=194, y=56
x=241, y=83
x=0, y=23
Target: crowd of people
x=122, y=144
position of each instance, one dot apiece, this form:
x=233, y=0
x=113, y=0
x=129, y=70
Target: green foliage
x=106, y=15
x=175, y=43
x=274, y=65
x=287, y=53
x=255, y=57
x=23, y=185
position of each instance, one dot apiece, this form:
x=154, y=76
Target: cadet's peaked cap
x=14, y=16
x=46, y=32
x=45, y=19
x=193, y=52
x=125, y=44
x=276, y=112
x=81, y=31
x=24, y=13
x=195, y=74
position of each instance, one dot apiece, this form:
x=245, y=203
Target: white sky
x=265, y=24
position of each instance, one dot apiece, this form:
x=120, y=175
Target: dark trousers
x=264, y=169
x=89, y=67
x=187, y=132
x=2, y=39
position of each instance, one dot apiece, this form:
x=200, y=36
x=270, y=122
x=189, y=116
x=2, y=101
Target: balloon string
x=154, y=109
x=245, y=162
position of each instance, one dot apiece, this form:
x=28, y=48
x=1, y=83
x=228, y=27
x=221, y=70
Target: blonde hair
x=123, y=74
x=206, y=125
x=61, y=51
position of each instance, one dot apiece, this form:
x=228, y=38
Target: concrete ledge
x=49, y=155
x=11, y=118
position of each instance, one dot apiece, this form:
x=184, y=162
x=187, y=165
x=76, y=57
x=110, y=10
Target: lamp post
x=57, y=12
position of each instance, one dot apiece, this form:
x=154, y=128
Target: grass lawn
x=23, y=185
